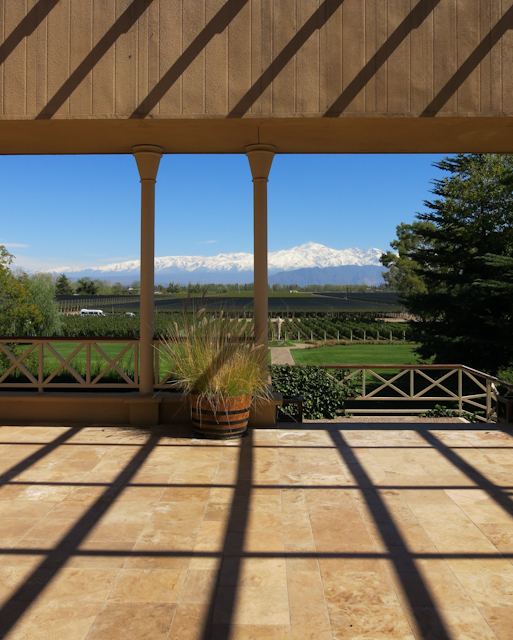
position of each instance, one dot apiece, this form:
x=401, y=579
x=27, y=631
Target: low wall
x=61, y=408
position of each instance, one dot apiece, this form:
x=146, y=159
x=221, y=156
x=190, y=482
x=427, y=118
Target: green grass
x=357, y=354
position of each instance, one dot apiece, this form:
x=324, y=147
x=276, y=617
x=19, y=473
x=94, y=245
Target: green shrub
x=323, y=397
x=441, y=411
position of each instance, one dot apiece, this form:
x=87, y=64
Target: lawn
x=357, y=354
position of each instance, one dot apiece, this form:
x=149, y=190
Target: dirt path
x=282, y=355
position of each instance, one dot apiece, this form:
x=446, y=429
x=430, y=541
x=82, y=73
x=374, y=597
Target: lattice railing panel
x=44, y=364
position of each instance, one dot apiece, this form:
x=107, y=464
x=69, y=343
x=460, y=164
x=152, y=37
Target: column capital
x=148, y=158
x=260, y=158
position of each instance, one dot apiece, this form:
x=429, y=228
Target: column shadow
x=225, y=597
x=416, y=591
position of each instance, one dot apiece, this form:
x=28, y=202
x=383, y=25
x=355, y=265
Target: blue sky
x=84, y=210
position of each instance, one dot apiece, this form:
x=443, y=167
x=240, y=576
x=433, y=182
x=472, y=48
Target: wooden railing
x=472, y=390
x=46, y=364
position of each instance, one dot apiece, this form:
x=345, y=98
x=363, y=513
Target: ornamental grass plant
x=212, y=358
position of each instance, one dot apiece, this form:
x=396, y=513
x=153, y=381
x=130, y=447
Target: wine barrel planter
x=229, y=420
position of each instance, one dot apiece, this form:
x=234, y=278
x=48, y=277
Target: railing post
x=41, y=369
x=460, y=389
x=88, y=363
x=156, y=349
x=488, y=400
x=412, y=382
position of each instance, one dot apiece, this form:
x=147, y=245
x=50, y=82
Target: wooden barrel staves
x=227, y=418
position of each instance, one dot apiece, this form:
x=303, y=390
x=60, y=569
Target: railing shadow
x=26, y=27
x=217, y=24
x=45, y=450
x=412, y=21
x=316, y=21
x=470, y=64
x=122, y=25
x=397, y=551
x=495, y=492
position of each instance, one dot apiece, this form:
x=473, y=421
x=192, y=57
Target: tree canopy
x=18, y=310
x=402, y=269
x=63, y=286
x=461, y=250
x=86, y=286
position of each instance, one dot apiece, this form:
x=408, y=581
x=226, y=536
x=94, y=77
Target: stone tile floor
x=350, y=531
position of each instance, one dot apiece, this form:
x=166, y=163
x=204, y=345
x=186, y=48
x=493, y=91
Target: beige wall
x=213, y=75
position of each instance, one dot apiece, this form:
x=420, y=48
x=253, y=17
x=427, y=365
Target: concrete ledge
x=100, y=408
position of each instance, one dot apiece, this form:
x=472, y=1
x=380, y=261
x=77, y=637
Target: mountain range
x=310, y=263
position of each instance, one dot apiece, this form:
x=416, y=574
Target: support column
x=260, y=158
x=148, y=158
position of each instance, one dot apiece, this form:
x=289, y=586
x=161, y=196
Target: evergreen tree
x=63, y=286
x=466, y=264
x=402, y=269
x=87, y=287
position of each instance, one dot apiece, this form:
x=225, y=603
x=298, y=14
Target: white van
x=91, y=312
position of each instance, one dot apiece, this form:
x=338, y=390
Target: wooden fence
x=46, y=364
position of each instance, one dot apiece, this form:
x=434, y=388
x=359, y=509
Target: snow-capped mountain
x=231, y=265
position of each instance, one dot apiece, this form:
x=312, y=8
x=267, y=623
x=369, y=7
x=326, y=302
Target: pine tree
x=63, y=286
x=466, y=265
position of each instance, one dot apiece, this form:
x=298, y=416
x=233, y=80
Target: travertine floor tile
x=362, y=587
x=148, y=585
x=250, y=632
x=500, y=620
x=370, y=622
x=359, y=543
x=199, y=586
x=124, y=620
x=252, y=605
x=55, y=620
x=189, y=622
x=309, y=617
x=256, y=572
x=80, y=585
x=461, y=622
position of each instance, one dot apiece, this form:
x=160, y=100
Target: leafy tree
x=465, y=261
x=87, y=287
x=173, y=288
x=63, y=286
x=402, y=273
x=42, y=293
x=18, y=313
x=118, y=289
